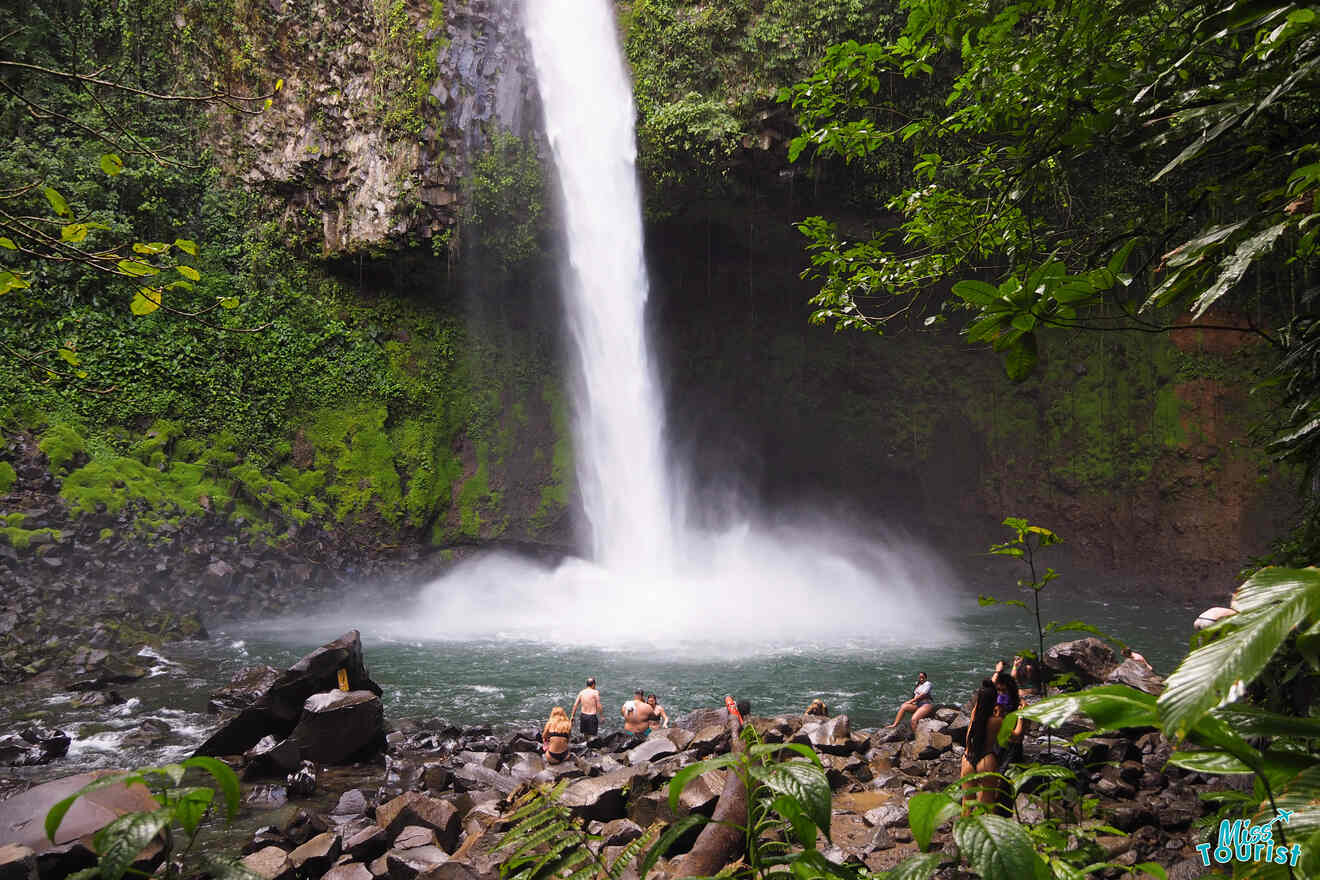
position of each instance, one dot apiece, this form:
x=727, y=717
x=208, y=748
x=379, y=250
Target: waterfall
x=588, y=107
x=653, y=578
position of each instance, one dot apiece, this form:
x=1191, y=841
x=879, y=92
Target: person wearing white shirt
x=921, y=704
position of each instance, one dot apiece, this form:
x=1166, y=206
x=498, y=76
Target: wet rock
x=352, y=803
x=245, y=688
x=474, y=776
x=267, y=796
x=33, y=746
x=489, y=760
x=270, y=863
x=151, y=732
x=97, y=698
x=277, y=708
x=338, y=725
x=302, y=782
x=270, y=758
x=617, y=741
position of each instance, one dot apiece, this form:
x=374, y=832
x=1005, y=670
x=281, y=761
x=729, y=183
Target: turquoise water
x=507, y=680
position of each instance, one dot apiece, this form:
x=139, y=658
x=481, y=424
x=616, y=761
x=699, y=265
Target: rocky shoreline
x=354, y=797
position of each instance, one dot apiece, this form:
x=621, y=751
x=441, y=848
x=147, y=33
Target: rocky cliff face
x=382, y=108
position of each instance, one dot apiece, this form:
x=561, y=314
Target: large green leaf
x=57, y=202
x=806, y=783
x=224, y=777
x=804, y=829
x=775, y=749
x=1235, y=265
x=672, y=833
x=1301, y=795
x=1250, y=720
x=1109, y=707
x=692, y=771
x=998, y=848
x=928, y=811
x=56, y=814
x=119, y=843
x=190, y=805
x=918, y=867
x=978, y=293
x=1209, y=761
x=1020, y=358
x=1269, y=605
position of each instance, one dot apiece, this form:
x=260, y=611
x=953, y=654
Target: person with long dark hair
x=982, y=752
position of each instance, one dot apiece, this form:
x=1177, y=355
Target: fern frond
x=556, y=832
x=630, y=852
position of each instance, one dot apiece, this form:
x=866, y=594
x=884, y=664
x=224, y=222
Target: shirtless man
x=588, y=699
x=637, y=713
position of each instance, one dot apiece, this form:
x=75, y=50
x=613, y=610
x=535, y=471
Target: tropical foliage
x=176, y=823
x=1101, y=165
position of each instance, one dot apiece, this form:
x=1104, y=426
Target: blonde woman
x=554, y=736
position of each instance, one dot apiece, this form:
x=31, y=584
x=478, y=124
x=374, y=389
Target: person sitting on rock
x=637, y=713
x=554, y=736
x=818, y=707
x=982, y=749
x=1137, y=658
x=921, y=704
x=657, y=711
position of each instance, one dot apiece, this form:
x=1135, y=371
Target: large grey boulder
x=1090, y=659
x=275, y=707
x=1136, y=675
x=600, y=797
x=337, y=725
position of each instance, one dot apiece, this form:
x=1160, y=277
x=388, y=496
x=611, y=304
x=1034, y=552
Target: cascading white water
x=653, y=578
x=587, y=100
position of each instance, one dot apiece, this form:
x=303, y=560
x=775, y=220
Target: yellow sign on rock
x=343, y=679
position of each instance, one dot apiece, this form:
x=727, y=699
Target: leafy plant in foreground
x=176, y=822
x=788, y=806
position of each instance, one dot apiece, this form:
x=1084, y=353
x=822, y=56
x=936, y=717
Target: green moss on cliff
x=7, y=476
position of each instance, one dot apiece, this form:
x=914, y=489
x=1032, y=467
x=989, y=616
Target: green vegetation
x=405, y=59
x=1099, y=177
x=504, y=218
x=705, y=78
x=181, y=812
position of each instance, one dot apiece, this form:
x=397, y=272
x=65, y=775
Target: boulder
x=831, y=736
x=655, y=747
x=886, y=816
x=17, y=862
x=301, y=783
x=405, y=864
x=22, y=817
x=710, y=739
x=599, y=797
x=270, y=757
x=277, y=707
x=413, y=836
x=415, y=808
x=1136, y=675
x=245, y=688
x=348, y=871
x=1090, y=659
x=352, y=803
x=270, y=863
x=367, y=844
x=620, y=832
x=682, y=739
x=474, y=776
x=317, y=855
x=33, y=746
x=337, y=725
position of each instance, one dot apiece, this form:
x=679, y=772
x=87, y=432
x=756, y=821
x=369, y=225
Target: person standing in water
x=637, y=713
x=657, y=711
x=588, y=700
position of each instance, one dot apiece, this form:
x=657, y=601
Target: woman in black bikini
x=555, y=734
x=982, y=754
